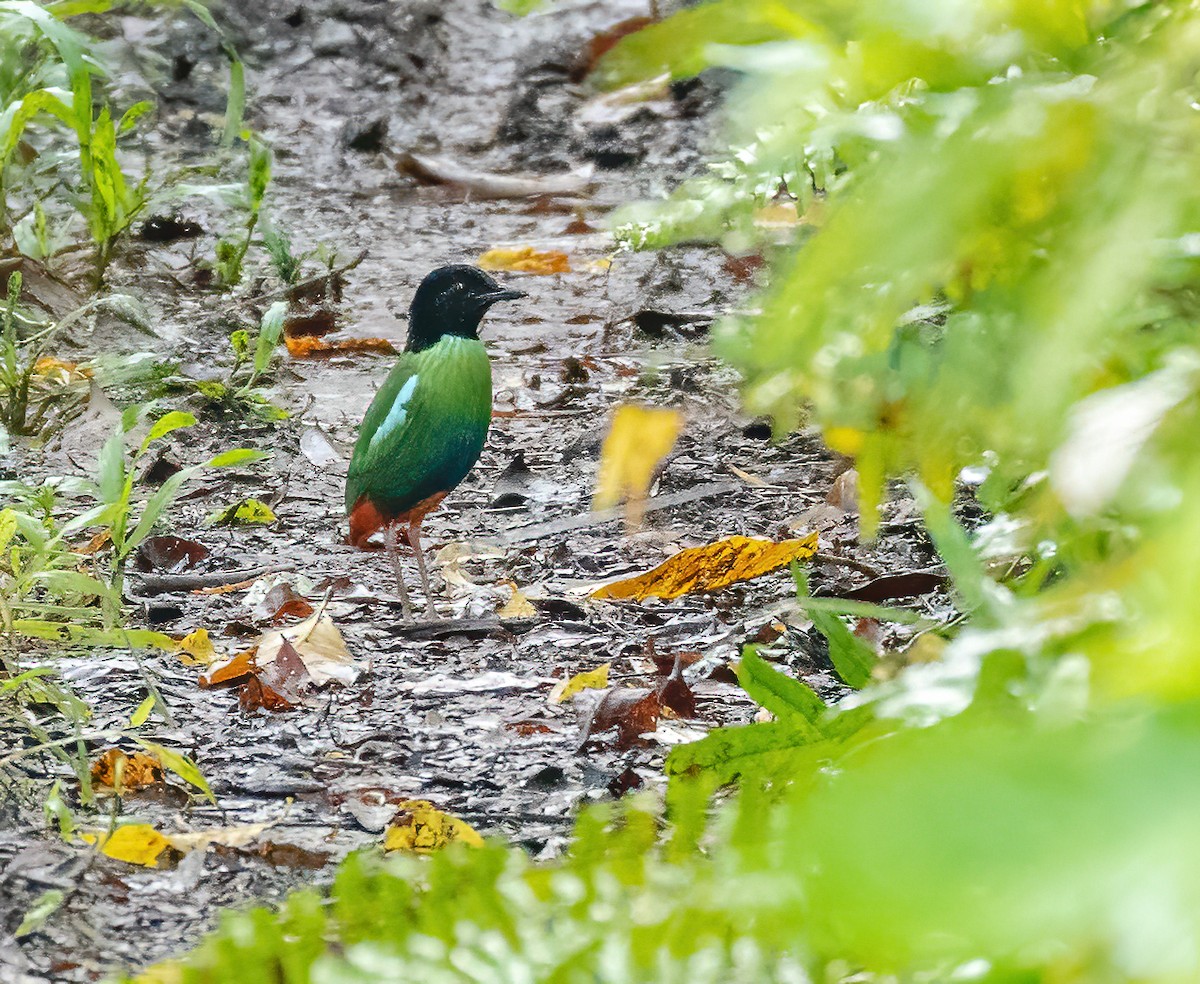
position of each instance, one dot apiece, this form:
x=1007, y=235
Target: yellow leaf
x=248, y=512
x=421, y=828
x=711, y=567
x=196, y=649
x=525, y=259
x=137, y=843
x=517, y=606
x=640, y=437
x=166, y=972
x=844, y=440
x=596, y=679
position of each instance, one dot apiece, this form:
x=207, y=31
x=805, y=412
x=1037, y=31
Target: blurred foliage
x=991, y=266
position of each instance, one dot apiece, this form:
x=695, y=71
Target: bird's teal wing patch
x=398, y=414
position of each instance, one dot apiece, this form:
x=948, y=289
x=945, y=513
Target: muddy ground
x=457, y=714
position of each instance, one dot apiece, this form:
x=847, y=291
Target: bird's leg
x=389, y=542
x=414, y=541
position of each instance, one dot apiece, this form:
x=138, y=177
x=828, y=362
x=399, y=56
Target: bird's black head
x=451, y=301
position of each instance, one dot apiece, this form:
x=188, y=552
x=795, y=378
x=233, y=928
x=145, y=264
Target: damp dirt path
x=461, y=718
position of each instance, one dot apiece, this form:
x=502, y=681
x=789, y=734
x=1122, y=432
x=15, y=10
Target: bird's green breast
x=425, y=428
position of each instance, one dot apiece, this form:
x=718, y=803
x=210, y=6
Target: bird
x=426, y=427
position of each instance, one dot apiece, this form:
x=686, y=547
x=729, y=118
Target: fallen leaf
x=638, y=440
x=711, y=567
x=97, y=543
x=596, y=679
x=238, y=836
x=292, y=856
x=248, y=512
x=319, y=645
x=675, y=694
x=518, y=606
x=48, y=369
x=283, y=601
x=116, y=770
x=137, y=843
x=196, y=649
x=909, y=584
x=277, y=685
x=316, y=446
x=255, y=695
x=311, y=346
x=169, y=554
x=230, y=670
x=527, y=728
x=525, y=259
x=843, y=494
x=631, y=710
x=420, y=828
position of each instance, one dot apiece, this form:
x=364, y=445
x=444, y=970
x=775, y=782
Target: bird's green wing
x=390, y=414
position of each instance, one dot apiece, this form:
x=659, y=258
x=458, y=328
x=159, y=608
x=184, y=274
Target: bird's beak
x=503, y=295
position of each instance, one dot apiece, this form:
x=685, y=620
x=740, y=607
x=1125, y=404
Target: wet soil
x=457, y=714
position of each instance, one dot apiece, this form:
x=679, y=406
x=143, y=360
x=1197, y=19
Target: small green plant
x=128, y=522
x=231, y=253
x=252, y=356
x=48, y=79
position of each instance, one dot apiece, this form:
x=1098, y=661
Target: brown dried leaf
x=119, y=771
x=170, y=554
x=632, y=710
x=711, y=567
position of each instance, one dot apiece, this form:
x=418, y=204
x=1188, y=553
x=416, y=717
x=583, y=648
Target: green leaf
x=754, y=750
x=851, y=657
x=142, y=714
x=155, y=506
x=111, y=467
x=782, y=695
x=42, y=909
x=168, y=422
x=248, y=512
x=71, y=582
x=8, y=528
x=236, y=456
x=130, y=117
x=260, y=172
x=111, y=638
x=239, y=341
x=269, y=331
x=235, y=103
x=181, y=765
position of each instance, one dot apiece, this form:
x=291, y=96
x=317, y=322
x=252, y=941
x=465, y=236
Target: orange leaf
x=525, y=259
x=310, y=346
x=231, y=670
x=117, y=770
x=711, y=567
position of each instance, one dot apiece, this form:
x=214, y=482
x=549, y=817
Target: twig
x=156, y=584
x=312, y=281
